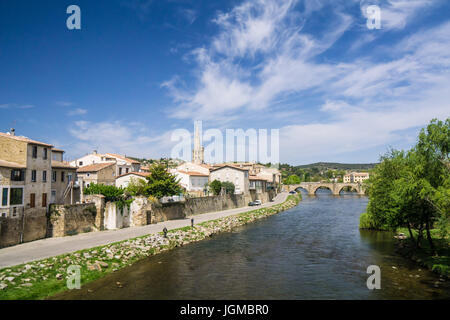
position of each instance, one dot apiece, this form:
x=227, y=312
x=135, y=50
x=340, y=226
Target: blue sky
x=139, y=69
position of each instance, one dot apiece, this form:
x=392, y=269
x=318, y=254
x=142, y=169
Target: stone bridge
x=335, y=187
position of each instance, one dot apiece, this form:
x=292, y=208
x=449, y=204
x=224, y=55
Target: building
x=25, y=168
x=356, y=177
x=124, y=180
x=238, y=176
x=258, y=184
x=198, y=153
x=64, y=190
x=98, y=173
x=193, y=182
x=122, y=163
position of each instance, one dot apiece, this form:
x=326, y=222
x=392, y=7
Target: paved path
x=50, y=247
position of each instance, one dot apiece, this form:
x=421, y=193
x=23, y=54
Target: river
x=312, y=251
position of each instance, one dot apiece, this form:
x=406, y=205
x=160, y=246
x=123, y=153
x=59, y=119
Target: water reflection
x=313, y=251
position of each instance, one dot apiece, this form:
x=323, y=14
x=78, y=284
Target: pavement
x=50, y=247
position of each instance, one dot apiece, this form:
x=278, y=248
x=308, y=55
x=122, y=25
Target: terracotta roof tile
x=25, y=139
x=9, y=164
x=142, y=174
x=95, y=167
x=122, y=157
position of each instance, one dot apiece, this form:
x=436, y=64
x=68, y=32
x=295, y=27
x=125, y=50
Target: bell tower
x=198, y=152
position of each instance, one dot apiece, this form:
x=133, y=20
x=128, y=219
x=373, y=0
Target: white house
x=192, y=181
x=238, y=176
x=123, y=164
x=124, y=180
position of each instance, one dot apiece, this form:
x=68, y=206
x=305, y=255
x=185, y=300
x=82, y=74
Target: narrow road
x=50, y=247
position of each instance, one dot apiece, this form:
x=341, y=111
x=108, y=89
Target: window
x=69, y=177
x=126, y=170
x=44, y=176
x=16, y=196
x=54, y=176
x=44, y=200
x=34, y=152
x=5, y=197
x=33, y=176
x=17, y=175
x=120, y=171
x=32, y=200
x=62, y=176
x=45, y=154
x=80, y=163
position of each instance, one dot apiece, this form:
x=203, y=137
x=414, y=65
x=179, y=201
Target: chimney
x=13, y=131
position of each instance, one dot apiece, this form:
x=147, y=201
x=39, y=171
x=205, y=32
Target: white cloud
x=262, y=55
x=396, y=14
x=77, y=112
x=132, y=139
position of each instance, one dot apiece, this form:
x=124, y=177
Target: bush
x=216, y=187
x=111, y=193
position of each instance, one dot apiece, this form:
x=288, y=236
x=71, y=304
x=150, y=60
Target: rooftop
x=24, y=139
x=141, y=174
x=95, y=167
x=9, y=164
x=114, y=155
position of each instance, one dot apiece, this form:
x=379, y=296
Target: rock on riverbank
x=39, y=279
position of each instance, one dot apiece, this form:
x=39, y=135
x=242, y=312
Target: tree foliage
x=161, y=182
x=412, y=189
x=216, y=187
x=111, y=193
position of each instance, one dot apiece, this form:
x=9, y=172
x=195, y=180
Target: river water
x=312, y=251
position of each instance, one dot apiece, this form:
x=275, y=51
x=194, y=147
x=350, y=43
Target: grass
x=48, y=276
x=439, y=263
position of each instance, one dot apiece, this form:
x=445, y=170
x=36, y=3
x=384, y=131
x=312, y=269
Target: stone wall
x=116, y=218
x=68, y=220
x=99, y=201
x=23, y=228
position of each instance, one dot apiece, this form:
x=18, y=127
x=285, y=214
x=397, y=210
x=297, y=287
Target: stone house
x=238, y=176
x=64, y=190
x=192, y=181
x=29, y=165
x=355, y=177
x=122, y=163
x=124, y=180
x=98, y=173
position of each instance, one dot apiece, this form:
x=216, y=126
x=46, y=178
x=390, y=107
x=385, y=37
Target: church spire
x=198, y=152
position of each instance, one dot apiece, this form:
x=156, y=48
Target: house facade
x=355, y=177
x=25, y=175
x=124, y=180
x=238, y=176
x=122, y=163
x=98, y=173
x=64, y=190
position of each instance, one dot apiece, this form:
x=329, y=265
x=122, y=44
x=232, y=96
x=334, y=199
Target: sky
x=137, y=70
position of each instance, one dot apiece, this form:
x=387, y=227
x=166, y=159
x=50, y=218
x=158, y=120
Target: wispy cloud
x=396, y=14
x=263, y=53
x=16, y=106
x=133, y=139
x=77, y=112
x=64, y=103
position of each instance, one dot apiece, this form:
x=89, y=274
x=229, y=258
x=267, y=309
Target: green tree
x=161, y=182
x=111, y=193
x=412, y=189
x=228, y=186
x=292, y=179
x=216, y=187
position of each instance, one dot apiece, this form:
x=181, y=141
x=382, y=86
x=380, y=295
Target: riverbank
x=47, y=277
x=423, y=256
x=439, y=264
